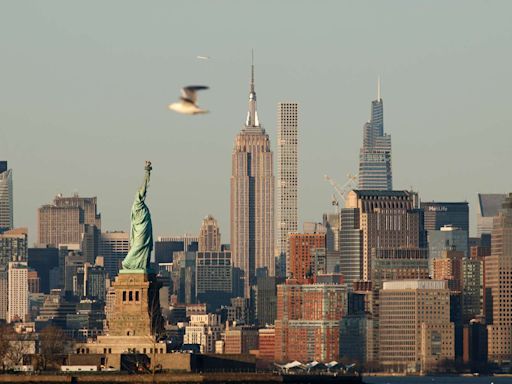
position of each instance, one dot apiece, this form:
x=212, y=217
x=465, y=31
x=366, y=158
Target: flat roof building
x=415, y=328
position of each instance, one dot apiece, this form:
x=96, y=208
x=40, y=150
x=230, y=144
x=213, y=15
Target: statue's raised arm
x=141, y=230
x=144, y=187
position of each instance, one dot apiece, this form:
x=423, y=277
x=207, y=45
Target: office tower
x=239, y=311
x=63, y=222
x=183, y=277
x=439, y=214
x=287, y=152
x=266, y=299
x=43, y=260
x=204, y=330
x=73, y=263
x=13, y=246
x=302, y=250
x=18, y=291
x=351, y=245
x=114, y=247
x=498, y=271
x=6, y=198
x=252, y=199
x=447, y=238
x=33, y=281
x=90, y=242
x=209, y=235
x=90, y=281
x=356, y=335
x=489, y=205
x=240, y=339
x=214, y=279
x=472, y=289
x=415, y=328
x=4, y=292
x=375, y=154
x=165, y=246
x=308, y=318
x=331, y=222
x=448, y=266
x=391, y=264
x=386, y=219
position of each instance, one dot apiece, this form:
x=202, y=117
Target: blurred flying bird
x=187, y=104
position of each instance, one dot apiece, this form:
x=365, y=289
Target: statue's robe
x=141, y=232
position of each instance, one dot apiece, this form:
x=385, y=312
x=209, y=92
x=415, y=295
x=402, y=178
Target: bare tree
x=53, y=344
x=6, y=333
x=19, y=348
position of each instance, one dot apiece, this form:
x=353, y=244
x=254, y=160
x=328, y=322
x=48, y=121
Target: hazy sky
x=84, y=88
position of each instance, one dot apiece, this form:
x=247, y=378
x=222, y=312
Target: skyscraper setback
x=375, y=154
x=252, y=199
x=287, y=179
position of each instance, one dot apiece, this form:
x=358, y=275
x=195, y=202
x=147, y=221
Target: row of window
x=131, y=296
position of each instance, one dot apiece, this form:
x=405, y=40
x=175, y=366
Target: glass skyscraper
x=6, y=206
x=375, y=154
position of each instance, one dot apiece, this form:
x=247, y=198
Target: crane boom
x=344, y=189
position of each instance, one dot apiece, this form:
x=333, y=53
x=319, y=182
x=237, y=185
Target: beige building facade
x=287, y=180
x=498, y=285
x=204, y=330
x=415, y=328
x=209, y=235
x=252, y=200
x=63, y=222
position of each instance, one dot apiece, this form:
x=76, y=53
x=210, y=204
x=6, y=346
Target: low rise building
x=203, y=330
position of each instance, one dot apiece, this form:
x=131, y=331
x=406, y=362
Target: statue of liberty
x=141, y=232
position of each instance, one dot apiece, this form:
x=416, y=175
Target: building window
x=136, y=295
x=130, y=296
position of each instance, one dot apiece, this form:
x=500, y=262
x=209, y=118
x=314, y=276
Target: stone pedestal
x=136, y=320
x=137, y=305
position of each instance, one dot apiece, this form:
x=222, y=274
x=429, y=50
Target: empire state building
x=252, y=201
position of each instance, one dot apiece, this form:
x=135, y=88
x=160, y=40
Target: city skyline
x=450, y=72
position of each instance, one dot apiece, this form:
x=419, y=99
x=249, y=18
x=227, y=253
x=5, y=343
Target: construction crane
x=341, y=191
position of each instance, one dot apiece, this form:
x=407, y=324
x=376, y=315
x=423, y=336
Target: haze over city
x=80, y=86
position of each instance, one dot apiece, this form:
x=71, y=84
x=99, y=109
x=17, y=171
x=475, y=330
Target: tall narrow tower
x=375, y=154
x=287, y=181
x=6, y=206
x=252, y=200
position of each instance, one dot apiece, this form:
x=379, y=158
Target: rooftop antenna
x=378, y=88
x=252, y=70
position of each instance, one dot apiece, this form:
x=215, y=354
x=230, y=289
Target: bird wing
x=189, y=93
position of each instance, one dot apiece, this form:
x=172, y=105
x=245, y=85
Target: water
x=437, y=380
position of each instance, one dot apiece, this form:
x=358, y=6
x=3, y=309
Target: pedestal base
x=137, y=306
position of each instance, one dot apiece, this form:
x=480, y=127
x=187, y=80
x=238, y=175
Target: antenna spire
x=252, y=70
x=252, y=115
x=378, y=89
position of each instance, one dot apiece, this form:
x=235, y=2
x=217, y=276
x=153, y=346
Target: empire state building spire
x=252, y=114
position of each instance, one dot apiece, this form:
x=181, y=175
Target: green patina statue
x=141, y=232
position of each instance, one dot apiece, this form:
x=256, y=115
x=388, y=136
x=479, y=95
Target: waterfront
x=436, y=380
